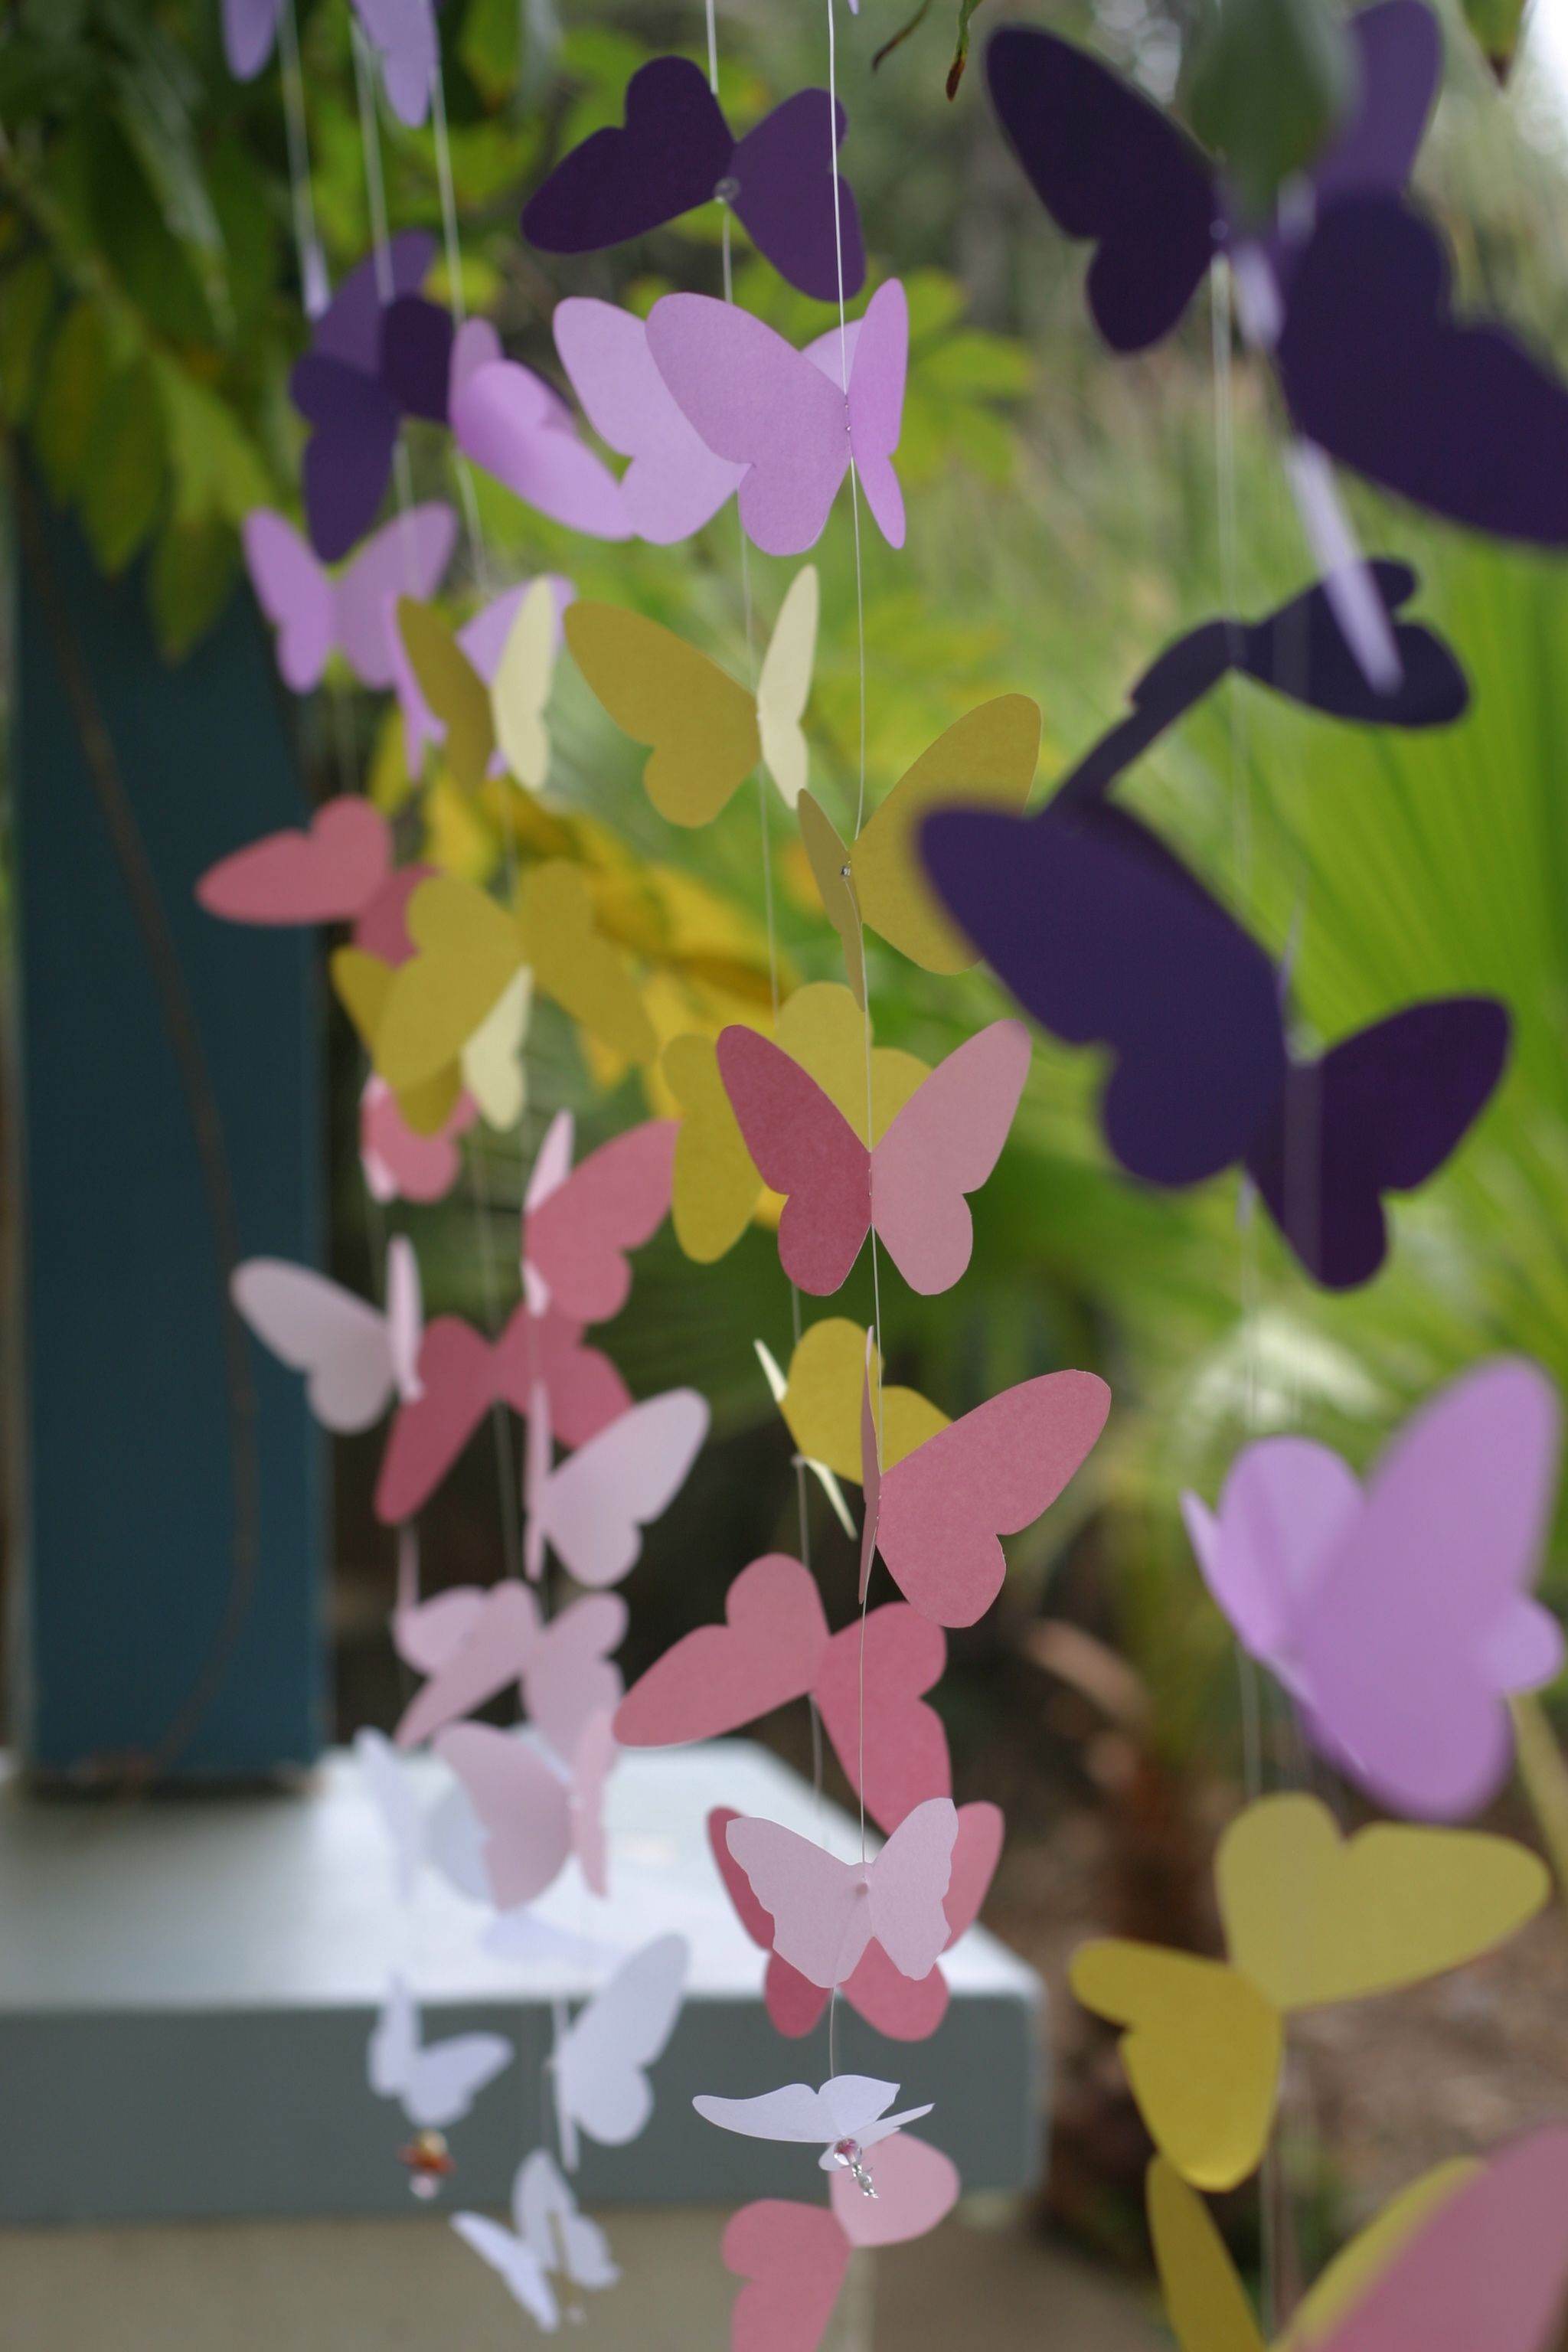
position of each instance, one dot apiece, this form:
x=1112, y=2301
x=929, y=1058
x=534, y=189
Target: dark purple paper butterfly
x=1108, y=165
x=371, y=364
x=1459, y=419
x=1107, y=938
x=677, y=151
x=1297, y=652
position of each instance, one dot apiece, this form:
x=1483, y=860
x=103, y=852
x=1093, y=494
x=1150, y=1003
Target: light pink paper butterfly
x=793, y=2257
x=341, y=871
x=1400, y=1615
x=592, y=1508
x=827, y=1912
x=462, y=1374
x=943, y=1145
x=355, y=1359
x=483, y=640
x=674, y=484
x=905, y=2010
x=848, y=2107
x=579, y=1222
x=436, y=2083
x=446, y=1835
x=534, y=1811
x=398, y=1162
x=785, y=416
x=774, y=1646
x=473, y=1644
x=509, y=423
x=317, y=613
x=402, y=33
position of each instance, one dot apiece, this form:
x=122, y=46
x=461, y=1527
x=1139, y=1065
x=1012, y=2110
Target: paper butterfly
x=591, y=1510
x=1108, y=165
x=356, y=1359
x=578, y=1223
x=508, y=647
x=438, y=2083
x=910, y=1187
x=716, y=1184
x=532, y=1816
x=249, y=30
x=774, y=1646
x=1106, y=938
x=848, y=2107
x=785, y=416
x=598, y=2061
x=905, y=2008
x=677, y=151
x=403, y=34
x=793, y=2257
x=549, y=2237
x=341, y=871
x=398, y=1162
x=820, y=1401
x=674, y=483
x=1469, y=2254
x=1399, y=1617
x=317, y=614
x=446, y=1835
x=462, y=1374
x=706, y=733
x=509, y=423
x=827, y=1912
x=371, y=364
x=473, y=1643
x=1309, y=1919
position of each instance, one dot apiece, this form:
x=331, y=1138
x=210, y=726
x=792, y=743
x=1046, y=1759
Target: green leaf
x=1268, y=80
x=217, y=472
x=189, y=582
x=75, y=378
x=26, y=299
x=126, y=473
x=977, y=367
x=488, y=48
x=1495, y=27
x=153, y=116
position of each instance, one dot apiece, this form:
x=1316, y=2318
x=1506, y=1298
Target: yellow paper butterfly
x=706, y=733
x=988, y=756
x=822, y=1398
x=1309, y=1919
x=506, y=715
x=717, y=1187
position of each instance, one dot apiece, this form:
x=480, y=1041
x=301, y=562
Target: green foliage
x=26, y=301
x=123, y=485
x=190, y=580
x=1268, y=81
x=1495, y=26
x=75, y=378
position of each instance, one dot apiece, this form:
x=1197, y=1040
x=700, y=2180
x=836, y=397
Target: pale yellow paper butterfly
x=508, y=714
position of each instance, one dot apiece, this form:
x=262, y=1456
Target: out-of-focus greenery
x=1066, y=518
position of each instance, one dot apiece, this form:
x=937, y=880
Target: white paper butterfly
x=551, y=2237
x=592, y=1508
x=447, y=1834
x=356, y=1359
x=847, y=2107
x=825, y=1912
x=599, y=2057
x=436, y=2085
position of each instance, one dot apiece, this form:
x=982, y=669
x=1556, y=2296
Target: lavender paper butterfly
x=402, y=33
x=676, y=152
x=316, y=613
x=372, y=361
x=1399, y=1615
x=674, y=483
x=249, y=31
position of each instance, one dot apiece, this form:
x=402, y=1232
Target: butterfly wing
x=348, y=458
x=820, y=1915
x=674, y=484
x=903, y=1759
x=906, y=1883
x=594, y=1507
x=1205, y=2302
x=399, y=1808
x=520, y=689
x=943, y=1145
x=407, y=557
x=668, y=157
x=1299, y=650
x=491, y=1061
x=784, y=685
x=328, y=874
x=701, y=726
x=1394, y=1650
x=1286, y=1503
x=404, y=33
x=509, y=423
x=526, y=2276
x=1108, y=165
x=249, y=30
x=467, y=950
x=577, y=1239
x=1459, y=419
x=1380, y=1113
x=294, y=592
x=917, y=2186
x=438, y=2085
x=341, y=1342
x=575, y=964
x=567, y=1677
x=497, y=1640
x=586, y=1391
x=794, y=2112
x=451, y=687
x=1106, y=939
x=458, y=1382
x=804, y=1146
x=761, y=404
x=786, y=196
x=600, y=2057
x=986, y=1476
x=769, y=1650
x=714, y=1186
x=547, y=2216
x=521, y=1805
x=877, y=404
x=793, y=2260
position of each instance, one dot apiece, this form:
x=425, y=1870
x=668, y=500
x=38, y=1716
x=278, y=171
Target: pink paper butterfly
x=827, y=1912
x=472, y=1645
x=532, y=1816
x=317, y=613
x=784, y=416
x=398, y=1162
x=341, y=871
x=935, y=1516
x=1399, y=1615
x=944, y=1144
x=591, y=1510
x=578, y=1223
x=904, y=2010
x=793, y=2257
x=774, y=1646
x=355, y=1359
x=462, y=1374
x=510, y=423
x=674, y=484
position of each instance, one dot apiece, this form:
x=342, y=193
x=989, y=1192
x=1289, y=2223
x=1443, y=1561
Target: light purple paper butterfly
x=249, y=30
x=402, y=33
x=483, y=639
x=674, y=484
x=1399, y=1615
x=784, y=416
x=317, y=612
x=510, y=423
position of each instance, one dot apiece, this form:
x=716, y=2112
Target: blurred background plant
x=1069, y=513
